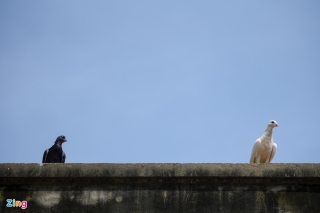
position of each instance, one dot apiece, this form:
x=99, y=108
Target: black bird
x=55, y=154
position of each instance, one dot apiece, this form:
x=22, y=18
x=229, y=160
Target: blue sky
x=159, y=81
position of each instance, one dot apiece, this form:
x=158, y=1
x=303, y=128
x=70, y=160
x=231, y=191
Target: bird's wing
x=273, y=152
x=63, y=159
x=255, y=149
x=45, y=154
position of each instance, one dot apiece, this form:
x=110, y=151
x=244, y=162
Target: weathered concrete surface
x=161, y=187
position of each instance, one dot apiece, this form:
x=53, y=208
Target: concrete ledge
x=159, y=170
x=161, y=187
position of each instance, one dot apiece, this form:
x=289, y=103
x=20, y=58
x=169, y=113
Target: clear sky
x=159, y=81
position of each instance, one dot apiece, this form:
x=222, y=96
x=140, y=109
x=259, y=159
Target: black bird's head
x=61, y=139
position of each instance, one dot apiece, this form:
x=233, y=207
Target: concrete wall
x=166, y=188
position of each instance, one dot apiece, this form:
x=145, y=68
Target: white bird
x=264, y=148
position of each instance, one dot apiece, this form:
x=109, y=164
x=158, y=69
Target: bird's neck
x=59, y=143
x=268, y=132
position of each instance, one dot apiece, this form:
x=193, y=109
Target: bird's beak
x=277, y=125
x=65, y=140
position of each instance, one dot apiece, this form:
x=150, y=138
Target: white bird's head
x=273, y=123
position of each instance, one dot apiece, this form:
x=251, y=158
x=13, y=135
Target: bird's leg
x=268, y=160
x=258, y=160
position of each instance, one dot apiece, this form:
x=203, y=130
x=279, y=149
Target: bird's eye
x=272, y=122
